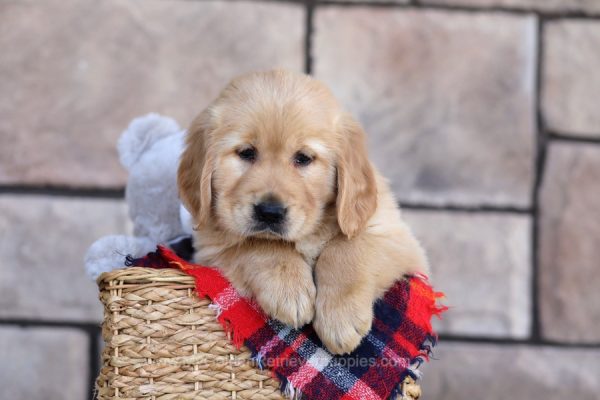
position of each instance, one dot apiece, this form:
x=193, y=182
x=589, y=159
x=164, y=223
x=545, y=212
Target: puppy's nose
x=269, y=212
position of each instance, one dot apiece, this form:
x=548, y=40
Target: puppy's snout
x=270, y=212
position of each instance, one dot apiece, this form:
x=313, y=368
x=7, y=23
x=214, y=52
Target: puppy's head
x=271, y=154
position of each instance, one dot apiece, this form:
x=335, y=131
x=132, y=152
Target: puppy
x=288, y=206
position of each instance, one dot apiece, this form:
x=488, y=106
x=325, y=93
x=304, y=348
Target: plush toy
x=149, y=149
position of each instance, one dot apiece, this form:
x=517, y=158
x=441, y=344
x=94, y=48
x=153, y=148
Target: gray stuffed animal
x=149, y=149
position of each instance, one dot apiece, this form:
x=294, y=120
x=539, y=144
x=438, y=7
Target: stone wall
x=483, y=113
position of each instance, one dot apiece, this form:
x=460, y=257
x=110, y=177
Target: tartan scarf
x=400, y=339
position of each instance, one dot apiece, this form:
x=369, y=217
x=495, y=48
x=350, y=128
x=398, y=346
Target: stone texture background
x=483, y=113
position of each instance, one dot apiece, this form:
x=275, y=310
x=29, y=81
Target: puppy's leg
x=351, y=275
x=280, y=280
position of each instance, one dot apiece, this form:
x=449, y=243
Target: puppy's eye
x=247, y=154
x=302, y=159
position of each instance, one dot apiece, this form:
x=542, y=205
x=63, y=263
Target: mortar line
x=94, y=362
x=37, y=323
x=416, y=5
x=502, y=341
x=562, y=137
x=62, y=191
x=310, y=6
x=484, y=208
x=541, y=149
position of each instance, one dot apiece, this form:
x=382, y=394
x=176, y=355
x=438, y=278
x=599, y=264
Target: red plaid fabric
x=400, y=339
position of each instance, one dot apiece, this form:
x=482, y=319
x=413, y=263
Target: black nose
x=269, y=212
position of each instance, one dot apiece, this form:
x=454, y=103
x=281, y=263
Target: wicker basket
x=163, y=342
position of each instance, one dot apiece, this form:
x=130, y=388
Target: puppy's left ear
x=357, y=189
x=195, y=171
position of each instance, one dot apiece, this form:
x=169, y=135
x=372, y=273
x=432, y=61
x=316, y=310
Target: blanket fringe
x=216, y=309
x=288, y=389
x=233, y=330
x=234, y=333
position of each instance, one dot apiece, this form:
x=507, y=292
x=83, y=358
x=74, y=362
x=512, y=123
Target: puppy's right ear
x=195, y=171
x=356, y=186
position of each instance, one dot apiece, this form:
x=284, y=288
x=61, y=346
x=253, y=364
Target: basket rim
x=141, y=274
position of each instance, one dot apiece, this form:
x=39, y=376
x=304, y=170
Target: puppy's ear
x=195, y=171
x=357, y=189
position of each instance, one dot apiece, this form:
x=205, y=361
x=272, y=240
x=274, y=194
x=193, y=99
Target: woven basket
x=162, y=342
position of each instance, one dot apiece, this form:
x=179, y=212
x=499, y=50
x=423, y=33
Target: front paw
x=342, y=323
x=289, y=295
x=410, y=389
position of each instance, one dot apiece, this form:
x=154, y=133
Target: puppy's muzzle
x=270, y=214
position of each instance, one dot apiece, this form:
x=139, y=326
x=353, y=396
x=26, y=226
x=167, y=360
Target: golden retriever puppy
x=288, y=206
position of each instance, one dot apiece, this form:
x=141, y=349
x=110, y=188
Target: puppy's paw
x=410, y=389
x=342, y=323
x=289, y=294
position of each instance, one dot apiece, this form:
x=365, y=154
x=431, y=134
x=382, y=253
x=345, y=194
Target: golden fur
x=344, y=242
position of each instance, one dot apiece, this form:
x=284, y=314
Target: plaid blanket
x=400, y=339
